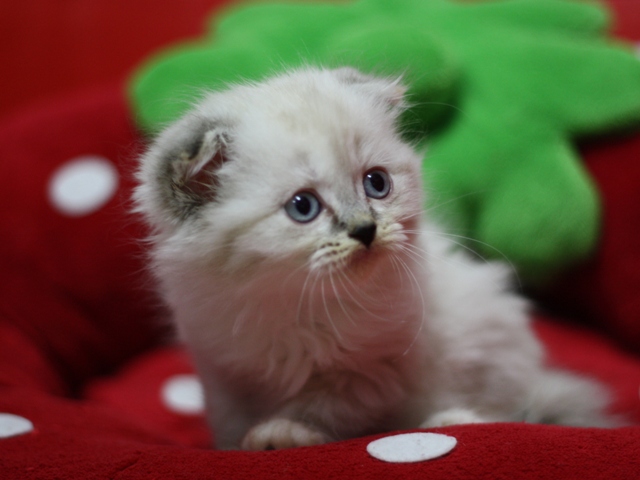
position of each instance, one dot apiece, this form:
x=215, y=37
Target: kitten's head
x=303, y=170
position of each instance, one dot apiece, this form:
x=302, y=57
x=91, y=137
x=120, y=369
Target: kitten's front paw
x=453, y=416
x=281, y=433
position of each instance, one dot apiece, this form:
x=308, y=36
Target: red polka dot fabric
x=92, y=385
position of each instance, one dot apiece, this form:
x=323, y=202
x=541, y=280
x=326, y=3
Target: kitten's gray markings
x=183, y=192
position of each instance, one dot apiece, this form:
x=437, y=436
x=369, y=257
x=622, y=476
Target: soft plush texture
x=76, y=45
x=85, y=353
x=604, y=290
x=499, y=88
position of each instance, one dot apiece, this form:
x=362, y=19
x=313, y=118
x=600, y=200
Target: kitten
x=316, y=300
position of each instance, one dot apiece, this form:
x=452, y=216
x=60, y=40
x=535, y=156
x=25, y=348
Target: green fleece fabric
x=498, y=92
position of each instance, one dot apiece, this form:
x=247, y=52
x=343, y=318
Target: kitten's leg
x=235, y=421
x=453, y=416
x=228, y=415
x=564, y=398
x=331, y=407
x=286, y=429
x=554, y=397
x=279, y=433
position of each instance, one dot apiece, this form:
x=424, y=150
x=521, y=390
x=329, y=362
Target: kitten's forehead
x=305, y=130
x=317, y=124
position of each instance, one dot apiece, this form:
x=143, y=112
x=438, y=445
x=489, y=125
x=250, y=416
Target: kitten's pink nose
x=365, y=233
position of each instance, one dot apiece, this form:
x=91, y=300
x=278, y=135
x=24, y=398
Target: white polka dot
x=83, y=185
x=183, y=394
x=411, y=447
x=13, y=425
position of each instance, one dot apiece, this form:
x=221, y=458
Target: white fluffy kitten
x=317, y=302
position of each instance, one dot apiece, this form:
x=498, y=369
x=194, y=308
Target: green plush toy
x=499, y=89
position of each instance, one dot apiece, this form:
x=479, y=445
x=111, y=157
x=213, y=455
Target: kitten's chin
x=363, y=263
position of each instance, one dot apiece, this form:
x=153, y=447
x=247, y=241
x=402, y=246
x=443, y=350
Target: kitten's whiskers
x=328, y=312
x=416, y=286
x=303, y=291
x=355, y=300
x=339, y=299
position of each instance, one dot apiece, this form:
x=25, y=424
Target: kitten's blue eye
x=303, y=207
x=377, y=184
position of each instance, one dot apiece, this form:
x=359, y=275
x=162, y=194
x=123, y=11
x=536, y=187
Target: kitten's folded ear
x=391, y=91
x=178, y=174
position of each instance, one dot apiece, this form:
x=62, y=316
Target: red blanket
x=90, y=386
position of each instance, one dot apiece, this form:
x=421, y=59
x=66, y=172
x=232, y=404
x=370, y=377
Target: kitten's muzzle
x=364, y=233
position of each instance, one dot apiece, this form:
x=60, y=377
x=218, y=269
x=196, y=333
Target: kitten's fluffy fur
x=303, y=333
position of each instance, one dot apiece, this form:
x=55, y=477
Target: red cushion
x=79, y=354
x=82, y=352
x=74, y=285
x=605, y=290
